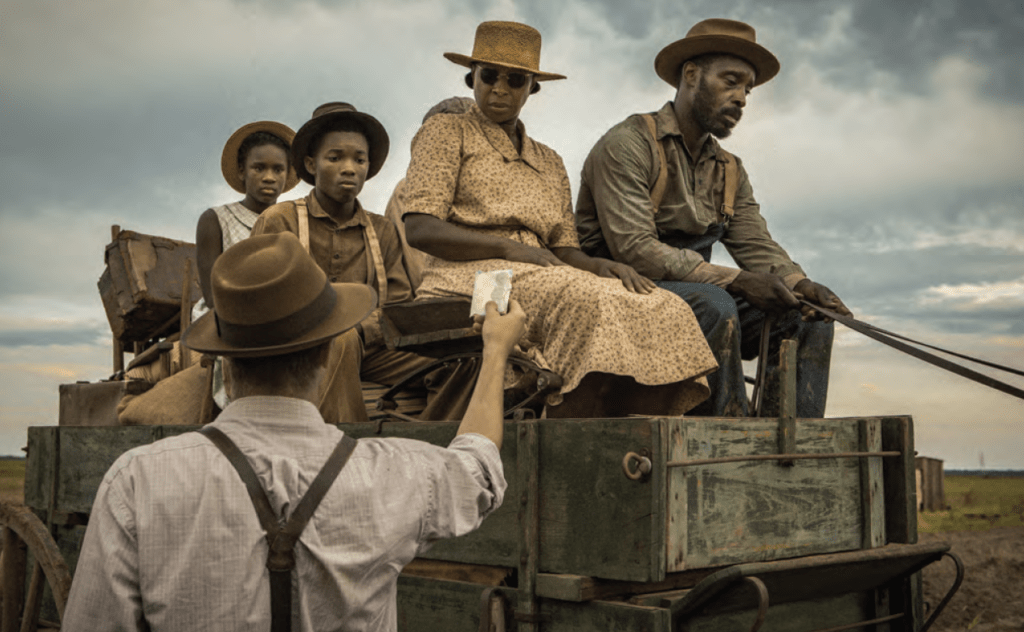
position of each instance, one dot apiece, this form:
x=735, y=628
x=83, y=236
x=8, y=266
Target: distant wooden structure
x=930, y=485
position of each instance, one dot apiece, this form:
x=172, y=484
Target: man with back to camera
x=174, y=541
x=657, y=191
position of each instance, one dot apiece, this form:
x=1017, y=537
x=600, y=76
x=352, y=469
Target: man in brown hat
x=658, y=191
x=174, y=541
x=336, y=151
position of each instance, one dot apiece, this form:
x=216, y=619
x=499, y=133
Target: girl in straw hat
x=480, y=194
x=256, y=161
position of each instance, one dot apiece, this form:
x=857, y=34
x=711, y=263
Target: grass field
x=977, y=503
x=12, y=479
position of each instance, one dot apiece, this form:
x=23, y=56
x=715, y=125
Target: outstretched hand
x=631, y=279
x=501, y=332
x=819, y=295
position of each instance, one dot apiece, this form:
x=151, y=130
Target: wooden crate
x=141, y=286
x=95, y=403
x=594, y=521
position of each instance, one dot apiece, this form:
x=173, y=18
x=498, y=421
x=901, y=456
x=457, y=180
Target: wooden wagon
x=632, y=524
x=609, y=524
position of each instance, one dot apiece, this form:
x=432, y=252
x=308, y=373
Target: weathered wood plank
x=40, y=466
x=814, y=614
x=898, y=480
x=578, y=588
x=871, y=494
x=758, y=511
x=528, y=517
x=85, y=456
x=787, y=400
x=429, y=605
x=677, y=497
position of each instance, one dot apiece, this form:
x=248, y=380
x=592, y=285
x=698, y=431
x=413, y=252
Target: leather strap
x=658, y=190
x=889, y=338
x=281, y=559
x=374, y=257
x=729, y=193
x=303, y=216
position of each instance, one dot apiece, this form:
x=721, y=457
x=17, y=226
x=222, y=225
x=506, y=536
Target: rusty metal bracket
x=492, y=605
x=643, y=466
x=952, y=591
x=762, y=601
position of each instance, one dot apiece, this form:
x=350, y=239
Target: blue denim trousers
x=732, y=328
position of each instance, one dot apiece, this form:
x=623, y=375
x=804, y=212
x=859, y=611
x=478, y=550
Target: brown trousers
x=349, y=364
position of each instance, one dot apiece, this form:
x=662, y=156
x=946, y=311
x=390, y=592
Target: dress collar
x=498, y=139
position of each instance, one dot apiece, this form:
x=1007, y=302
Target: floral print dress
x=465, y=170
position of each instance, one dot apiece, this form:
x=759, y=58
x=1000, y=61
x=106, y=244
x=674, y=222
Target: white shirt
x=174, y=543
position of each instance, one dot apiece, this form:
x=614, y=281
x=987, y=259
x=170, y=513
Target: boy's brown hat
x=326, y=115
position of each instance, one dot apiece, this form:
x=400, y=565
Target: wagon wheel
x=23, y=532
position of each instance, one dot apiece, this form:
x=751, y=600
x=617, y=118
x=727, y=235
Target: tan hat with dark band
x=229, y=156
x=508, y=44
x=272, y=298
x=717, y=35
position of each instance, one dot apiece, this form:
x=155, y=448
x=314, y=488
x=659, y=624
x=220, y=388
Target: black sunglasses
x=515, y=80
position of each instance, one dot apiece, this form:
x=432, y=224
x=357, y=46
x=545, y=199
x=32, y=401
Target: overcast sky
x=888, y=158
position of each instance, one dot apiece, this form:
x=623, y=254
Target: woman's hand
x=515, y=251
x=633, y=280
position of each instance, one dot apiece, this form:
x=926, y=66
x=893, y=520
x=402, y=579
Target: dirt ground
x=991, y=598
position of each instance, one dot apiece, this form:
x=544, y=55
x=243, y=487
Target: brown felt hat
x=323, y=118
x=717, y=35
x=229, y=157
x=271, y=298
x=508, y=44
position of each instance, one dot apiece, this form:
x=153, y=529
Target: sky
x=888, y=158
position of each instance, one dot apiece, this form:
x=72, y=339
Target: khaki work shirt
x=340, y=250
x=614, y=207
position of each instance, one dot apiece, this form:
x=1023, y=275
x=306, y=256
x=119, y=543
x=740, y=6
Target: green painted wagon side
x=594, y=520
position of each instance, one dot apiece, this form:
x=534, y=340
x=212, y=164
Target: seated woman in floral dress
x=482, y=195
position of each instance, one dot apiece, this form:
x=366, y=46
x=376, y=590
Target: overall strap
x=731, y=173
x=281, y=540
x=658, y=190
x=373, y=253
x=303, y=216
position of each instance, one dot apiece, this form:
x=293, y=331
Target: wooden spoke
x=23, y=532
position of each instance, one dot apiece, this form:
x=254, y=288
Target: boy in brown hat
x=174, y=542
x=657, y=191
x=336, y=151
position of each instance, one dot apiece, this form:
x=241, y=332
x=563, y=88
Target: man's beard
x=709, y=120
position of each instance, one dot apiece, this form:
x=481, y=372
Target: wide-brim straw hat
x=508, y=44
x=717, y=35
x=270, y=298
x=323, y=118
x=229, y=157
